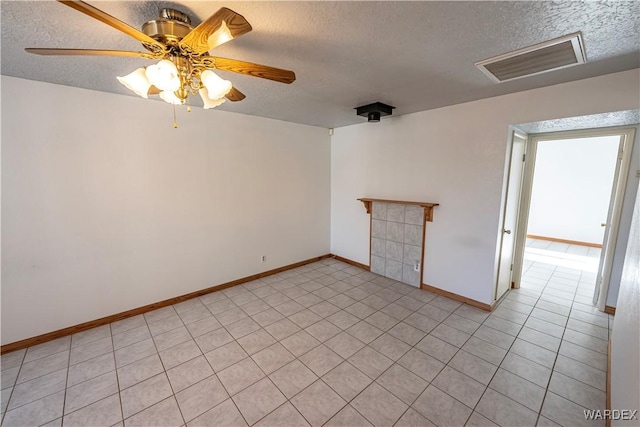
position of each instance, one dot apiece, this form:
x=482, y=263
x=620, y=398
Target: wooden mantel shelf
x=428, y=207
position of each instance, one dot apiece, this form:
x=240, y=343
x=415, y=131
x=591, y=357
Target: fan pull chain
x=175, y=122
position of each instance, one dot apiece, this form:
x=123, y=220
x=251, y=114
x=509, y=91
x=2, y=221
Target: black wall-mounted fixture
x=374, y=111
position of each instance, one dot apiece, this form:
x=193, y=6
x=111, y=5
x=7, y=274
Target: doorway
x=569, y=211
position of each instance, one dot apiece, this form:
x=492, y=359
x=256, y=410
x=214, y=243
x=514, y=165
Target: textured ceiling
x=592, y=121
x=412, y=55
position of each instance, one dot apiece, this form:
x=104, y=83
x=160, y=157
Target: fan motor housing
x=170, y=28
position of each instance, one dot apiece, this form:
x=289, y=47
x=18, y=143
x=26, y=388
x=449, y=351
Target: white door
x=514, y=185
x=613, y=218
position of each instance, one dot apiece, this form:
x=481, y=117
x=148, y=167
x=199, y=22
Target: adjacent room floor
x=553, y=263
x=327, y=344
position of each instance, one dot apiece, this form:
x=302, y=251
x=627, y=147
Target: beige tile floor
x=326, y=344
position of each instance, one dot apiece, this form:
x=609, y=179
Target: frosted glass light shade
x=170, y=97
x=208, y=102
x=164, y=75
x=216, y=87
x=136, y=82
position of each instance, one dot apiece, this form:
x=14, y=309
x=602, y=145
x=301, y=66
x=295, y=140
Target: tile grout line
x=345, y=360
x=319, y=378
x=546, y=389
x=499, y=367
x=414, y=347
x=539, y=413
x=348, y=403
x=115, y=367
x=15, y=383
x=287, y=400
x=394, y=361
x=558, y=354
x=82, y=382
x=66, y=382
x=430, y=383
x=215, y=373
x=203, y=355
x=163, y=365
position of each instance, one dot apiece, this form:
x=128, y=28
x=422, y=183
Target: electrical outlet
x=416, y=266
x=263, y=258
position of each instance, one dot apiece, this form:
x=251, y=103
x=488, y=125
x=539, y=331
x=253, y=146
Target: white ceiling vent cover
x=563, y=52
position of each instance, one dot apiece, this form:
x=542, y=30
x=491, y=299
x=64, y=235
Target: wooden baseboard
x=608, y=398
x=571, y=242
x=354, y=263
x=28, y=342
x=610, y=310
x=451, y=295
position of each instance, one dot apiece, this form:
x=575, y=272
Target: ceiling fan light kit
x=374, y=111
x=169, y=79
x=185, y=66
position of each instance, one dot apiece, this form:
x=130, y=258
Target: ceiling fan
x=185, y=66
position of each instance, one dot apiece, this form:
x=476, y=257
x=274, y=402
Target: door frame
x=627, y=134
x=614, y=215
x=515, y=273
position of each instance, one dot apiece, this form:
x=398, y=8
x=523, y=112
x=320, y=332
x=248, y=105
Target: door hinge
x=523, y=157
x=511, y=267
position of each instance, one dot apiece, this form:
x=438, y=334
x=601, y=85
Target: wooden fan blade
x=235, y=95
x=148, y=42
x=255, y=70
x=219, y=28
x=153, y=90
x=98, y=52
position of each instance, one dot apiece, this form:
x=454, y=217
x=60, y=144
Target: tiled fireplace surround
x=396, y=241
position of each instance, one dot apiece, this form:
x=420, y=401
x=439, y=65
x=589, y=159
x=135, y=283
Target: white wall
x=572, y=186
x=625, y=338
x=106, y=207
x=454, y=156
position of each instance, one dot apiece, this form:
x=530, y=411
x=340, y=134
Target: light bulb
x=136, y=82
x=208, y=102
x=164, y=75
x=216, y=87
x=170, y=97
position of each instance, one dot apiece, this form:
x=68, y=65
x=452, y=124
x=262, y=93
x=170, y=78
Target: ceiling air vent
x=555, y=54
